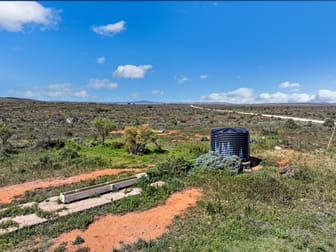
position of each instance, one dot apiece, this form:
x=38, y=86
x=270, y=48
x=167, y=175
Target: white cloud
x=62, y=86
x=25, y=93
x=101, y=60
x=240, y=95
x=55, y=94
x=277, y=97
x=158, y=92
x=135, y=95
x=14, y=15
x=280, y=97
x=58, y=90
x=326, y=95
x=80, y=94
x=245, y=95
x=109, y=29
x=302, y=97
x=131, y=71
x=204, y=76
x=292, y=86
x=102, y=83
x=64, y=91
x=181, y=79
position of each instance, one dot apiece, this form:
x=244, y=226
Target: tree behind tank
x=137, y=138
x=103, y=127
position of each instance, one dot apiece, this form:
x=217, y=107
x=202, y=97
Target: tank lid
x=229, y=130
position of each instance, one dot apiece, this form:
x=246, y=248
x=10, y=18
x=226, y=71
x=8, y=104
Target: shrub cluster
x=212, y=160
x=173, y=167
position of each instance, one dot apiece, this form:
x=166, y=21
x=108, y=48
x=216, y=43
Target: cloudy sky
x=243, y=52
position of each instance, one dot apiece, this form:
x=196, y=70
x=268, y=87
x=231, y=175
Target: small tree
x=5, y=134
x=103, y=127
x=329, y=123
x=291, y=124
x=136, y=139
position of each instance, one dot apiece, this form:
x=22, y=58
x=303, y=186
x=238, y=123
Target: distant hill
x=15, y=100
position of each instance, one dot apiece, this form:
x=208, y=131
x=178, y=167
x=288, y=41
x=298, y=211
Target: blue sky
x=238, y=52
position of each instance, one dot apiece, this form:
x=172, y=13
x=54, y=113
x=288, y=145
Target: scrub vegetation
x=287, y=205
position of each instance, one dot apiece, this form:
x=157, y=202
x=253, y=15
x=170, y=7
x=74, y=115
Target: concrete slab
x=52, y=205
x=97, y=201
x=28, y=220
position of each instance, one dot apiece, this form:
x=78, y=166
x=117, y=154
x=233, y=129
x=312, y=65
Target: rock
x=277, y=148
x=72, y=120
x=158, y=184
x=289, y=171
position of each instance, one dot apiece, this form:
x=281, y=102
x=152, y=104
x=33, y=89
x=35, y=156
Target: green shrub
x=60, y=248
x=291, y=124
x=190, y=150
x=68, y=153
x=329, y=123
x=137, y=139
x=173, y=167
x=78, y=240
x=212, y=160
x=116, y=145
x=7, y=224
x=84, y=249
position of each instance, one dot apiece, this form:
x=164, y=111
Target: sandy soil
x=8, y=193
x=111, y=231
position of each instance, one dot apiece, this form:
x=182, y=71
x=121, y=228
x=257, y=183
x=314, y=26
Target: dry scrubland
x=271, y=209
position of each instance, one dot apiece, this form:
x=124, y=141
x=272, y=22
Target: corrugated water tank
x=231, y=141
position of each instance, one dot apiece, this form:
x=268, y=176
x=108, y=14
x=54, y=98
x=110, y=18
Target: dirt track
x=111, y=231
x=8, y=193
x=260, y=114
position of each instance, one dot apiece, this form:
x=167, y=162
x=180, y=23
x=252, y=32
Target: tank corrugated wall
x=231, y=141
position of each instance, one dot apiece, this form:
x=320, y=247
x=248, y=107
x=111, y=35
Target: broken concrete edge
x=86, y=192
x=38, y=220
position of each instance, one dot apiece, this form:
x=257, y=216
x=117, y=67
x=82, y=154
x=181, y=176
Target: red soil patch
x=120, y=131
x=8, y=193
x=111, y=231
x=281, y=163
x=169, y=133
x=200, y=135
x=256, y=168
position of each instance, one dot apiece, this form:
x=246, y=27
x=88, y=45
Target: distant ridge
x=147, y=102
x=16, y=99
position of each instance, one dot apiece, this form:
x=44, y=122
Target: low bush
x=116, y=145
x=212, y=160
x=291, y=124
x=172, y=167
x=78, y=240
x=329, y=123
x=68, y=153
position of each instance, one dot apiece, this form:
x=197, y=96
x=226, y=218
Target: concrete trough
x=90, y=191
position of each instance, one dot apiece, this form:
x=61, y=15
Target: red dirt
x=120, y=131
x=256, y=168
x=281, y=163
x=111, y=231
x=169, y=133
x=8, y=193
x=200, y=135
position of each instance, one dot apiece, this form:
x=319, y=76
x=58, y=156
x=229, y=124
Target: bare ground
x=111, y=231
x=8, y=193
